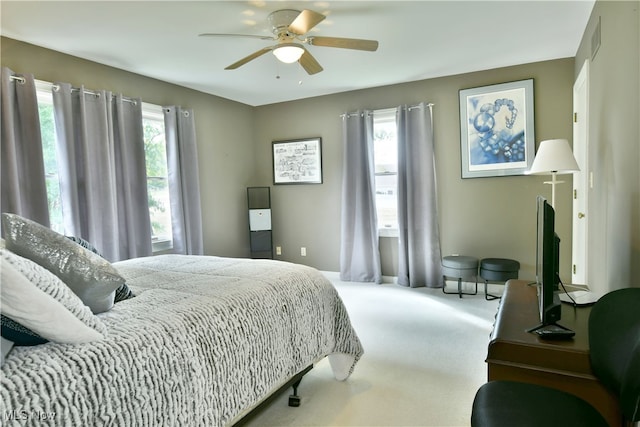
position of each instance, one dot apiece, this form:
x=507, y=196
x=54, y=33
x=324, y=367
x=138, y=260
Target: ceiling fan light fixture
x=288, y=52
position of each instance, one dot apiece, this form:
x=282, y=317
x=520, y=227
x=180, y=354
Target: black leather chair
x=614, y=341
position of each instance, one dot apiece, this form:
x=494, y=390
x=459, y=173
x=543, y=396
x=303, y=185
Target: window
x=386, y=171
x=155, y=148
x=156, y=162
x=48, y=133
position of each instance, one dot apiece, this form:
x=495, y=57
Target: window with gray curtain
x=101, y=165
x=24, y=189
x=418, y=229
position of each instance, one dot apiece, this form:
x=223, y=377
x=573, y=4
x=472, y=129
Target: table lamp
x=554, y=157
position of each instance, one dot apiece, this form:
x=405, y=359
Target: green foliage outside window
x=48, y=134
x=157, y=185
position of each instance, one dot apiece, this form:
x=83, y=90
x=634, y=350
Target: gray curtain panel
x=24, y=190
x=134, y=223
x=418, y=234
x=102, y=171
x=184, y=187
x=359, y=252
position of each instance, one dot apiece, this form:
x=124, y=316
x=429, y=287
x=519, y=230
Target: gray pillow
x=123, y=292
x=89, y=276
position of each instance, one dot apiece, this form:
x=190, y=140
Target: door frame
x=582, y=179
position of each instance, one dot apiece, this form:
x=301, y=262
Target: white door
x=581, y=179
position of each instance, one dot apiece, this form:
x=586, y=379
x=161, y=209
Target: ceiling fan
x=289, y=28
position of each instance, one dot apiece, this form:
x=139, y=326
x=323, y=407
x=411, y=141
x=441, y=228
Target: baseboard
x=335, y=275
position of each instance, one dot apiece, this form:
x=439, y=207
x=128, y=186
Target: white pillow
x=38, y=300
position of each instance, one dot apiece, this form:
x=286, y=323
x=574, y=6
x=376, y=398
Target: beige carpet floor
x=423, y=362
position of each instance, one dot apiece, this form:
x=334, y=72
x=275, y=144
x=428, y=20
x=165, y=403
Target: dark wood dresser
x=517, y=355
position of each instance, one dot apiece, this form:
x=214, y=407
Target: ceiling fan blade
x=251, y=57
x=358, y=44
x=309, y=63
x=306, y=20
x=249, y=36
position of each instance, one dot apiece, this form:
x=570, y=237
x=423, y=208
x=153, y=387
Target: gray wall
x=486, y=217
x=614, y=145
x=481, y=217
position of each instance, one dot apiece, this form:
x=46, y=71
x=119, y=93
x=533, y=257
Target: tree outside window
x=48, y=134
x=157, y=176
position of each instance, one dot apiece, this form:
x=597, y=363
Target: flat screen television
x=547, y=264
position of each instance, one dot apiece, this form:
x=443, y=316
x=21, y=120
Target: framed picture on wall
x=297, y=161
x=497, y=130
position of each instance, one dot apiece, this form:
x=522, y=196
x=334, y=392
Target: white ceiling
x=418, y=40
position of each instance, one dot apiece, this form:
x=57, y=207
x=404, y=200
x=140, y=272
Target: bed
x=203, y=342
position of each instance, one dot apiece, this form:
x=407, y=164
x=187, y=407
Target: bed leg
x=294, y=399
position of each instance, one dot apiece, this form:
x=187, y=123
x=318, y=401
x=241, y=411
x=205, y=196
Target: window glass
x=386, y=170
x=155, y=148
x=48, y=134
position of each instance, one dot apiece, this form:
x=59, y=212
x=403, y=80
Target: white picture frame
x=497, y=129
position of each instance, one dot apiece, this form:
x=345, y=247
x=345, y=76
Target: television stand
x=517, y=355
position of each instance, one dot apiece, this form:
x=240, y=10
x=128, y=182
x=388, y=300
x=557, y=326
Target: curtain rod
x=93, y=93
x=411, y=107
x=55, y=87
x=17, y=78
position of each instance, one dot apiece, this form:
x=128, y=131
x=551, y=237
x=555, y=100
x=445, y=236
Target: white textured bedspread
x=204, y=340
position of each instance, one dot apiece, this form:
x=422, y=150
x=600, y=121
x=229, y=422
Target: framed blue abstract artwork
x=496, y=129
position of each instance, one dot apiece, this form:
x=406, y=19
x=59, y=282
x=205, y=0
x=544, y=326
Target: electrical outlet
x=303, y=251
x=278, y=250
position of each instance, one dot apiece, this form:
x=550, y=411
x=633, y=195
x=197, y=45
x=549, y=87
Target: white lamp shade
x=554, y=155
x=288, y=52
